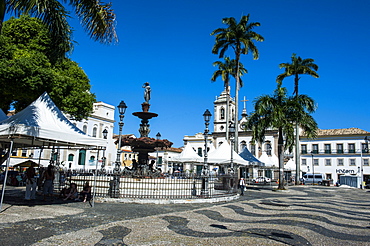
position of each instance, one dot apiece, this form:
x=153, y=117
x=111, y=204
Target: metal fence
x=164, y=186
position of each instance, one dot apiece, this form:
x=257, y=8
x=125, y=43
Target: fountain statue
x=145, y=144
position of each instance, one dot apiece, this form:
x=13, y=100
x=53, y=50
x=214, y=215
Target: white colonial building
x=337, y=152
x=334, y=153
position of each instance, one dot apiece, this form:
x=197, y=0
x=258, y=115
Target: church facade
x=335, y=152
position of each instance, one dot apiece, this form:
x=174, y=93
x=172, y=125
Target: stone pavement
x=301, y=215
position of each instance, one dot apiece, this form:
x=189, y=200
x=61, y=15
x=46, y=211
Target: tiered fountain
x=145, y=144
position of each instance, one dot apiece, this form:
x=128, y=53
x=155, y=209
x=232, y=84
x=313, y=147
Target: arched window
x=84, y=129
x=243, y=144
x=70, y=157
x=252, y=148
x=92, y=158
x=222, y=114
x=95, y=129
x=82, y=157
x=268, y=148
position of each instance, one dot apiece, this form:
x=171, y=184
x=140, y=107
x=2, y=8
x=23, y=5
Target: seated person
x=86, y=192
x=73, y=193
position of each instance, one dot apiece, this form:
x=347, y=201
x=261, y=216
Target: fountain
x=145, y=144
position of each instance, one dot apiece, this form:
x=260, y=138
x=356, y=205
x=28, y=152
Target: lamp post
x=114, y=184
x=207, y=117
x=362, y=163
x=158, y=138
x=313, y=169
x=232, y=131
x=105, y=135
x=121, y=110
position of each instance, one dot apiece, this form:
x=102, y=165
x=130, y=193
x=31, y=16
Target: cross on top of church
x=245, y=103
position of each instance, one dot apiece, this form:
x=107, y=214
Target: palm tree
x=240, y=37
x=225, y=70
x=280, y=112
x=96, y=17
x=297, y=67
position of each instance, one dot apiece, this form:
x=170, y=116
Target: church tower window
x=222, y=114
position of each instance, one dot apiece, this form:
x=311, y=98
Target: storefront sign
x=345, y=171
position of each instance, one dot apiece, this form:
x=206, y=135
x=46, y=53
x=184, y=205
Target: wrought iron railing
x=163, y=186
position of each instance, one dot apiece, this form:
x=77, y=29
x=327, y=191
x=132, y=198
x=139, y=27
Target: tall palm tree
x=96, y=17
x=240, y=37
x=280, y=112
x=297, y=67
x=225, y=70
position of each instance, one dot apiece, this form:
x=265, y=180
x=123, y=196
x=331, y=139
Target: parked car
x=316, y=178
x=261, y=180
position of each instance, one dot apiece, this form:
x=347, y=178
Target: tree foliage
x=26, y=70
x=97, y=18
x=297, y=67
x=240, y=37
x=281, y=112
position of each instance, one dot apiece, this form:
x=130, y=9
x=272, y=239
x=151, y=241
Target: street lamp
x=232, y=131
x=114, y=184
x=207, y=117
x=362, y=161
x=158, y=138
x=313, y=169
x=121, y=110
x=105, y=134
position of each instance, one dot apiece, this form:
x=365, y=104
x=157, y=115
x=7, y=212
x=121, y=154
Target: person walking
x=242, y=186
x=30, y=183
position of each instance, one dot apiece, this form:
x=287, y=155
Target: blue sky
x=168, y=44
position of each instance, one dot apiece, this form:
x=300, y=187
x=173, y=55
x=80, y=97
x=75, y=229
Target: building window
x=303, y=149
x=352, y=162
x=222, y=114
x=315, y=149
x=94, y=132
x=328, y=176
x=243, y=144
x=351, y=148
x=340, y=162
x=84, y=129
x=253, y=149
x=92, y=158
x=316, y=162
x=159, y=160
x=82, y=157
x=340, y=148
x=327, y=162
x=327, y=148
x=304, y=162
x=24, y=152
x=364, y=148
x=268, y=148
x=70, y=157
x=200, y=152
x=366, y=162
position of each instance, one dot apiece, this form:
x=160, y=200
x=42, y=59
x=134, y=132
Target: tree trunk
x=236, y=143
x=281, y=159
x=227, y=113
x=297, y=154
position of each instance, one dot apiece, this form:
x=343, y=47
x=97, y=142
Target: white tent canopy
x=290, y=165
x=2, y=115
x=222, y=155
x=188, y=155
x=43, y=124
x=269, y=162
